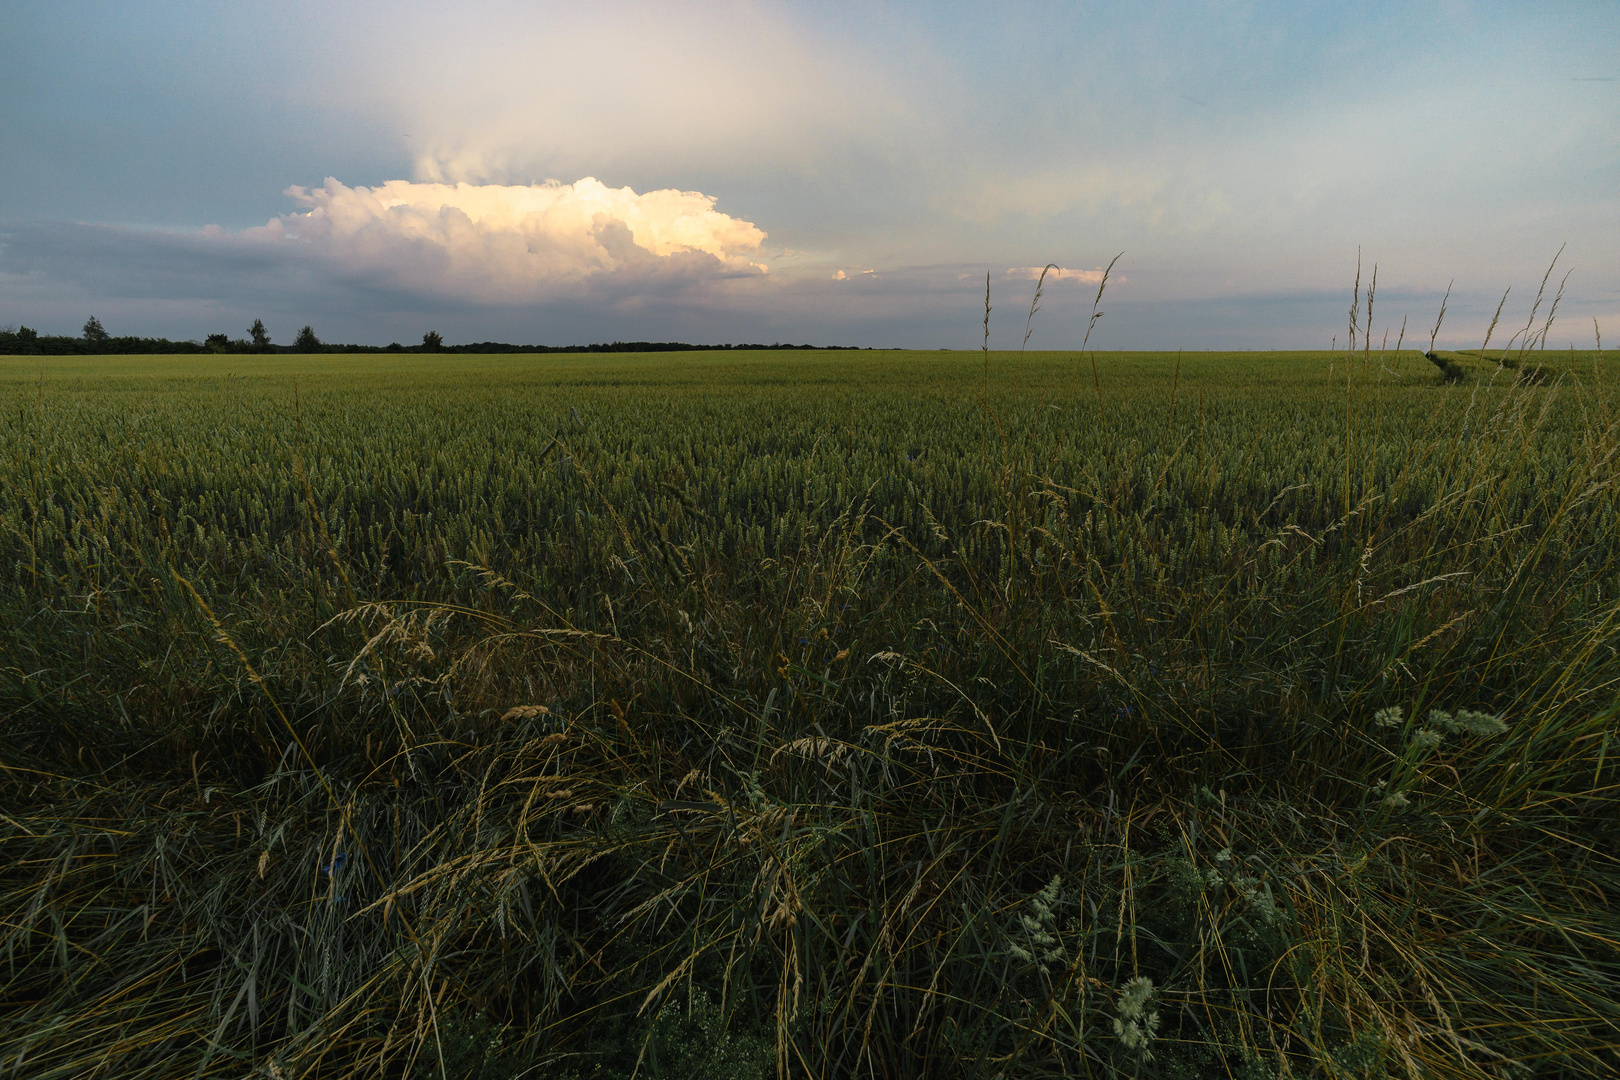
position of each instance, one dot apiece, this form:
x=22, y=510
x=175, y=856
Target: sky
x=828, y=172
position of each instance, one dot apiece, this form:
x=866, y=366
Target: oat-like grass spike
x=1552, y=312
x=985, y=351
x=1355, y=309
x=1035, y=302
x=1440, y=318
x=1526, y=336
x=1029, y=321
x=1491, y=329
x=1096, y=379
x=1366, y=338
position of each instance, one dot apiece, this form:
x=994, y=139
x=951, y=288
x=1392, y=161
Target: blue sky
x=835, y=173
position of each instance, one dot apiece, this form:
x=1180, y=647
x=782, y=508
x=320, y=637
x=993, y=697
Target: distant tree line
x=631, y=346
x=96, y=341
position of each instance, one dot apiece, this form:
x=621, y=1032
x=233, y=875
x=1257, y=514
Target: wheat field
x=744, y=715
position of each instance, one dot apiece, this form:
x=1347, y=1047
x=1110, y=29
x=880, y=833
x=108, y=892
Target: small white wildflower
x=1046, y=899
x=1390, y=717
x=1136, y=1023
x=1040, y=930
x=1135, y=1035
x=1134, y=997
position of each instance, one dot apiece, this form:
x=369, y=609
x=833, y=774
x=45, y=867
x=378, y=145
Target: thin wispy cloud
x=513, y=92
x=1055, y=274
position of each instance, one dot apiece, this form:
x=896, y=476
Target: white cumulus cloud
x=1057, y=273
x=498, y=243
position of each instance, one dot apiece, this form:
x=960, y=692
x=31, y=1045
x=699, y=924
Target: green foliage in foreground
x=881, y=715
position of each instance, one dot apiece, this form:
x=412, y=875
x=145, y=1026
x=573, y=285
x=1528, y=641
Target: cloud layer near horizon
x=503, y=244
x=185, y=284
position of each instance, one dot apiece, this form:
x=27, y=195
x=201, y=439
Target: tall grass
x=609, y=718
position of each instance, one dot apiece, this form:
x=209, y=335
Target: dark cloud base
x=188, y=285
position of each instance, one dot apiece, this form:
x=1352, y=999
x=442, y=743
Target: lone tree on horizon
x=94, y=332
x=260, y=336
x=431, y=341
x=306, y=341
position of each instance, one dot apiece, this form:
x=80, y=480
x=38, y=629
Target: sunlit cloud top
x=495, y=243
x=1055, y=274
